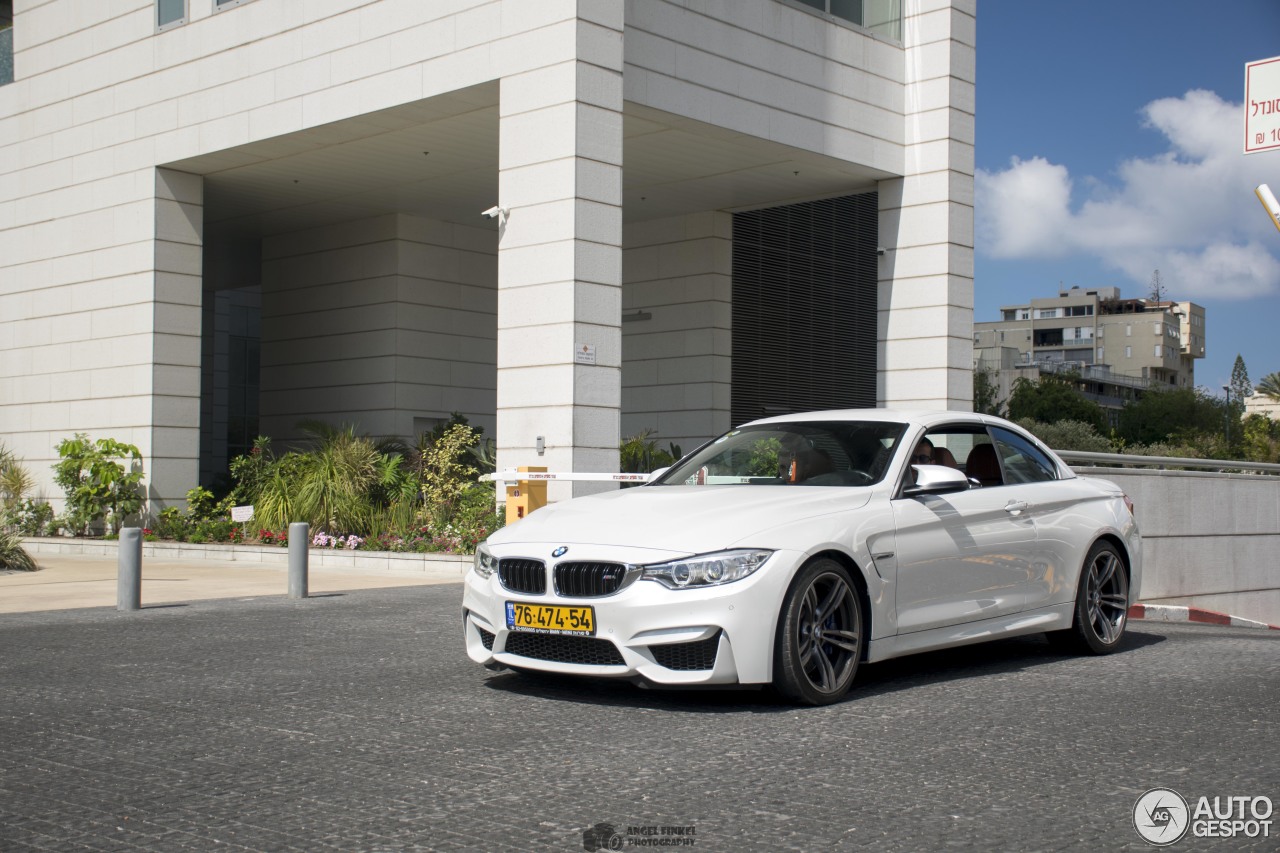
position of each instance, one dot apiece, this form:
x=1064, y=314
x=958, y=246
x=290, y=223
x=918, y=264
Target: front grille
x=486, y=638
x=589, y=580
x=562, y=649
x=527, y=576
x=700, y=654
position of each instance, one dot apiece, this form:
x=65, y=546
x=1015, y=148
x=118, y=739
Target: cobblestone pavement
x=354, y=722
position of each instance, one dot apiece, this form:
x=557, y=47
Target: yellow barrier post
x=525, y=496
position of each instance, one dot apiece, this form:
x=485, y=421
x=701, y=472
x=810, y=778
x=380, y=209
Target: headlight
x=485, y=563
x=707, y=569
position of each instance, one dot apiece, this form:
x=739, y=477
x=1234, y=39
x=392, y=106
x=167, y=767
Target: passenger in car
x=942, y=456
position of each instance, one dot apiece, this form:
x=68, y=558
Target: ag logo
x=1161, y=816
x=560, y=552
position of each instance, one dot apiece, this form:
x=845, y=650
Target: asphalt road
x=354, y=722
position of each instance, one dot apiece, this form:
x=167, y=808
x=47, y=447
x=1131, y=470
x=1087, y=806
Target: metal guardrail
x=1133, y=460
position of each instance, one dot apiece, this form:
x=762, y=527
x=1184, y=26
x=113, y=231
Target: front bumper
x=712, y=635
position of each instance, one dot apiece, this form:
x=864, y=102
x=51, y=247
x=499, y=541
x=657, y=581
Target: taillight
x=1128, y=502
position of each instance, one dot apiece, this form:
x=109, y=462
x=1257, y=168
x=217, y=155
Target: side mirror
x=936, y=480
x=656, y=474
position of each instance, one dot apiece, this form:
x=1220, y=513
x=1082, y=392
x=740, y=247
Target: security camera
x=493, y=211
x=1269, y=202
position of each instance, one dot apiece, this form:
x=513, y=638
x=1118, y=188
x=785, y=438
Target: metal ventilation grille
x=804, y=307
x=589, y=580
x=562, y=649
x=700, y=654
x=527, y=576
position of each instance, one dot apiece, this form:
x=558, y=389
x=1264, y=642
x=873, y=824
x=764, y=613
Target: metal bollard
x=129, y=570
x=299, y=539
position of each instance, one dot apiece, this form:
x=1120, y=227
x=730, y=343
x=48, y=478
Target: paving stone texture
x=354, y=722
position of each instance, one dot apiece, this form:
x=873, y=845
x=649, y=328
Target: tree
x=986, y=393
x=1174, y=413
x=1240, y=385
x=1270, y=386
x=1052, y=399
x=96, y=486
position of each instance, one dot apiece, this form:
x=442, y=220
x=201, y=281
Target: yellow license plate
x=548, y=619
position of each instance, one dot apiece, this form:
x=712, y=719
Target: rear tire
x=1102, y=604
x=820, y=637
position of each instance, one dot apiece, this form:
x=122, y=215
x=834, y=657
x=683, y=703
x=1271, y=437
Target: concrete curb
x=1177, y=613
x=452, y=566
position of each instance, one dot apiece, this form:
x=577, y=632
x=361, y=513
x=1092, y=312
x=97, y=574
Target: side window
x=964, y=447
x=1023, y=462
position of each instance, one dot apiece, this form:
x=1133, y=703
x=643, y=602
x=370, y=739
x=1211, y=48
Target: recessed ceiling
x=438, y=159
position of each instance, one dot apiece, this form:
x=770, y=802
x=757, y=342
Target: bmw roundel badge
x=560, y=552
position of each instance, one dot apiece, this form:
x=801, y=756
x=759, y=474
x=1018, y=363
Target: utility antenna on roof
x=1158, y=292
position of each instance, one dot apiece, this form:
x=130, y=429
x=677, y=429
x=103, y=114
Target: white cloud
x=1189, y=212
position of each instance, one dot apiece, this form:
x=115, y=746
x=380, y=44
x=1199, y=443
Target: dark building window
x=170, y=13
x=244, y=358
x=6, y=42
x=883, y=17
x=804, y=307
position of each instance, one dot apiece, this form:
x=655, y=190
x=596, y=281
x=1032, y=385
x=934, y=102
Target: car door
x=1032, y=478
x=964, y=556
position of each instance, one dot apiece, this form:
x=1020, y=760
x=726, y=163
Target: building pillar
x=176, y=337
x=560, y=257
x=925, y=304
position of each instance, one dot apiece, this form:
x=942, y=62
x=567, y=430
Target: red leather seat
x=983, y=466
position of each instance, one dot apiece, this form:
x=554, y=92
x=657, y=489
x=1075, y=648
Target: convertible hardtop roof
x=919, y=417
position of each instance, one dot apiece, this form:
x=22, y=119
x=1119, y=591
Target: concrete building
x=1117, y=347
x=221, y=217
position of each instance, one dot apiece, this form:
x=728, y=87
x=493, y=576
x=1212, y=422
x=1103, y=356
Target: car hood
x=687, y=519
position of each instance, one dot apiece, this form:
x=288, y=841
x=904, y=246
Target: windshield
x=833, y=453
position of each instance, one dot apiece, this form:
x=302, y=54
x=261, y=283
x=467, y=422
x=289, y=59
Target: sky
x=1109, y=144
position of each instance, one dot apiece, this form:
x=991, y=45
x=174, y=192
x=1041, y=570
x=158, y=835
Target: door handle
x=1015, y=507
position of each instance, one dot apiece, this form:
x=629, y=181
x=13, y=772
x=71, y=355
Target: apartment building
x=1118, y=347
x=221, y=217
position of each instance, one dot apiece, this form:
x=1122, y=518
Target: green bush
x=98, y=487
x=1068, y=435
x=28, y=518
x=422, y=496
x=640, y=454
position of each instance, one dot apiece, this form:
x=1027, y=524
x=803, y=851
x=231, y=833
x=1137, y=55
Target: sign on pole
x=1262, y=105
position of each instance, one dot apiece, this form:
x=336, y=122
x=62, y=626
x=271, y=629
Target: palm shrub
x=338, y=478
x=12, y=555
x=1270, y=386
x=341, y=484
x=640, y=454
x=15, y=480
x=18, y=513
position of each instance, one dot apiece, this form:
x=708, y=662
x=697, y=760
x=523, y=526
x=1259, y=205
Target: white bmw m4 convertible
x=792, y=549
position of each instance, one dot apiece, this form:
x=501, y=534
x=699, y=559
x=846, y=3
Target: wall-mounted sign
x=1262, y=105
x=584, y=354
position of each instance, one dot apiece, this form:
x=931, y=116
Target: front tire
x=1102, y=604
x=819, y=641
